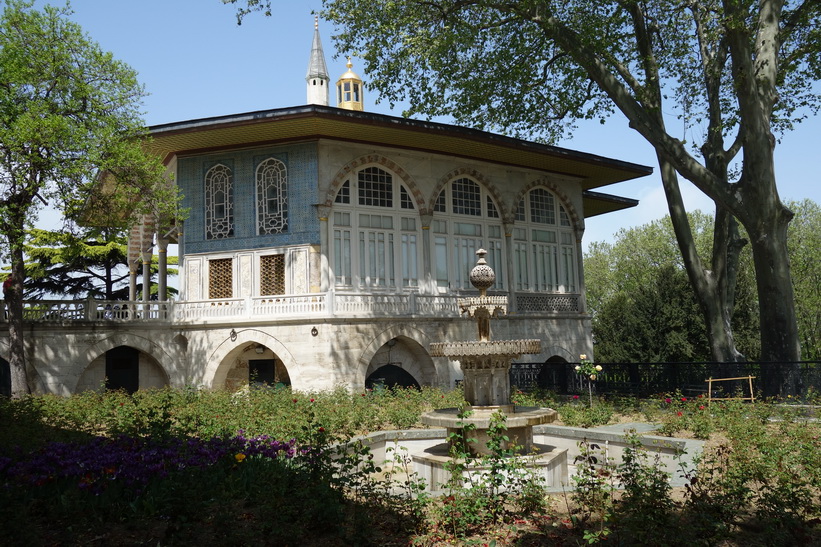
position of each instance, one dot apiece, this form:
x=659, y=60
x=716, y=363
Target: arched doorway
x=257, y=366
x=5, y=378
x=123, y=367
x=402, y=362
x=553, y=375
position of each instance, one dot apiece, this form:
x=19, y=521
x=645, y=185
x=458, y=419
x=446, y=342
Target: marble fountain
x=485, y=365
x=548, y=450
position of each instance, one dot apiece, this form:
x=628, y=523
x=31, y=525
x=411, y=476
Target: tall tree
x=68, y=111
x=804, y=242
x=90, y=263
x=644, y=309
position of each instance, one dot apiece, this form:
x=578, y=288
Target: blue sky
x=195, y=62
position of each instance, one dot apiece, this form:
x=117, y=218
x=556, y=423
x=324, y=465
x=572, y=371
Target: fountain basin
x=547, y=462
x=673, y=454
x=519, y=421
x=479, y=348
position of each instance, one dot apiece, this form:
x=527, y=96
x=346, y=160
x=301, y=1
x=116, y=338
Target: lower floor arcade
x=355, y=354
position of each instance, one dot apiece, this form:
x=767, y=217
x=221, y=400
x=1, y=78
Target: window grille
x=492, y=212
x=220, y=278
x=375, y=187
x=219, y=203
x=405, y=201
x=542, y=207
x=272, y=274
x=272, y=197
x=344, y=194
x=547, y=262
x=440, y=206
x=466, y=197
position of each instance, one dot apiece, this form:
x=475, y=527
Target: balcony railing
x=329, y=304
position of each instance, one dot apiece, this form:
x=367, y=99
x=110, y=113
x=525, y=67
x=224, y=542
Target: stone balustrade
x=331, y=304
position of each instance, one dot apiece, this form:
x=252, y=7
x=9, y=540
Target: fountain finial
x=482, y=276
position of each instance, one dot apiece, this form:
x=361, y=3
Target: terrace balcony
x=279, y=307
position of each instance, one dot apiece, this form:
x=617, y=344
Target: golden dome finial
x=349, y=89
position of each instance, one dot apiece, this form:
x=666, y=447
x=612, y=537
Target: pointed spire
x=317, y=77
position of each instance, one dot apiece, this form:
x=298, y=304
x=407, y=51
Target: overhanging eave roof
x=313, y=122
x=597, y=203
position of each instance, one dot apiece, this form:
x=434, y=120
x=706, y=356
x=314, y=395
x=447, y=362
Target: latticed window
x=520, y=212
x=219, y=203
x=220, y=278
x=375, y=187
x=272, y=274
x=272, y=197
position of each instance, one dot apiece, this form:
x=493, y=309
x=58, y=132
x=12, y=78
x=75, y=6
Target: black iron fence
x=647, y=379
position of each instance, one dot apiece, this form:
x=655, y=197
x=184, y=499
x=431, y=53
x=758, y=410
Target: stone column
x=325, y=239
x=147, y=255
x=507, y=226
x=580, y=271
x=162, y=274
x=181, y=261
x=132, y=281
x=428, y=279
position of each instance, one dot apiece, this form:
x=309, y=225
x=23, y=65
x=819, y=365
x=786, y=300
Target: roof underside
x=314, y=122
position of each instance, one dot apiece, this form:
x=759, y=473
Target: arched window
x=219, y=203
x=544, y=245
x=465, y=220
x=272, y=197
x=376, y=242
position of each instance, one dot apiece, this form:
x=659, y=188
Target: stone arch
x=475, y=175
x=166, y=362
x=576, y=221
x=375, y=159
x=234, y=344
x=424, y=369
x=557, y=351
x=554, y=373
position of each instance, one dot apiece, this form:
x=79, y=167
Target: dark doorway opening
x=269, y=372
x=5, y=378
x=553, y=375
x=390, y=376
x=262, y=371
x=122, y=369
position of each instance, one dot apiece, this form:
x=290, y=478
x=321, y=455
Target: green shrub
x=576, y=414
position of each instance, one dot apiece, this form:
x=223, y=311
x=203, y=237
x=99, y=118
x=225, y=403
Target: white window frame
x=456, y=237
x=545, y=249
x=374, y=247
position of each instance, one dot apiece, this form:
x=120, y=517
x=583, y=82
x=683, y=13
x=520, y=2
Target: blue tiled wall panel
x=303, y=225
